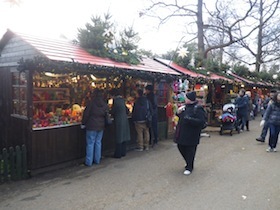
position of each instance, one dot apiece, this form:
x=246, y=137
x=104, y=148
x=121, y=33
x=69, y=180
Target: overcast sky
x=52, y=18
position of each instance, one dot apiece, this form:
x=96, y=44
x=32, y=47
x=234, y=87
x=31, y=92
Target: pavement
x=231, y=173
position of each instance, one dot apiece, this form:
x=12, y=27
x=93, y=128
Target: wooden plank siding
x=14, y=50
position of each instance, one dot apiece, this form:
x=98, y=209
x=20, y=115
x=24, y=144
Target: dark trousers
x=188, y=153
x=273, y=137
x=247, y=125
x=120, y=150
x=154, y=130
x=264, y=130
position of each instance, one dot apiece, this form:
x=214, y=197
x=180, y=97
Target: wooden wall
x=14, y=50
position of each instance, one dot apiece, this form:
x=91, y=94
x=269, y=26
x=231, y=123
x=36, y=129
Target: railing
x=13, y=164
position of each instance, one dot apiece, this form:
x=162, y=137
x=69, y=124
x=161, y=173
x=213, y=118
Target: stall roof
x=219, y=77
x=241, y=78
x=63, y=50
x=179, y=68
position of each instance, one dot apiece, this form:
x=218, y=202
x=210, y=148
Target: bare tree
x=268, y=37
x=229, y=30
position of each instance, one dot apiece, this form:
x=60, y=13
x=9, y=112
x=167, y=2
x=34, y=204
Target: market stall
x=51, y=82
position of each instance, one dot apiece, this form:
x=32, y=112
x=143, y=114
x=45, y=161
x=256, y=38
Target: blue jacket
x=241, y=103
x=272, y=114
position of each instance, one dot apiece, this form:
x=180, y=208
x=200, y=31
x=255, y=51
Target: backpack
x=205, y=115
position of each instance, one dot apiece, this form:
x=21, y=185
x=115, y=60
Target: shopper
x=153, y=100
x=266, y=103
x=191, y=122
x=139, y=113
x=241, y=103
x=250, y=112
x=94, y=122
x=272, y=116
x=122, y=131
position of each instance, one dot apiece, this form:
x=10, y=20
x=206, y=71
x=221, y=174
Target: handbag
x=108, y=120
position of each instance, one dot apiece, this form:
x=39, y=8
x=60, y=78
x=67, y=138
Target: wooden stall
x=44, y=86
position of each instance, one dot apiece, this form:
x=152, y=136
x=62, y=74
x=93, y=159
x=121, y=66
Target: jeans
x=242, y=119
x=93, y=147
x=265, y=129
x=273, y=137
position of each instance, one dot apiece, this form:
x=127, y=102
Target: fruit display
x=59, y=117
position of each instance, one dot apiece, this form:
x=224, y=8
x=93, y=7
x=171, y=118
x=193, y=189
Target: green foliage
x=99, y=38
x=241, y=70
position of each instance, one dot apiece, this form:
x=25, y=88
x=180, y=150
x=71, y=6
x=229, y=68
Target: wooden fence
x=13, y=164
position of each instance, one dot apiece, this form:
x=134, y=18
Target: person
x=241, y=104
x=267, y=102
x=250, y=109
x=256, y=103
x=122, y=131
x=272, y=116
x=94, y=122
x=140, y=110
x=153, y=100
x=191, y=120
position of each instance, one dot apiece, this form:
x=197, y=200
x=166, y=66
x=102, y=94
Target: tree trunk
x=200, y=33
x=260, y=38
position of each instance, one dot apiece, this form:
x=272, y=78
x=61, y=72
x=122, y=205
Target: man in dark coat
x=191, y=122
x=139, y=114
x=122, y=130
x=241, y=103
x=153, y=100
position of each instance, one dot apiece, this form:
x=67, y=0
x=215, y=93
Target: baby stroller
x=229, y=120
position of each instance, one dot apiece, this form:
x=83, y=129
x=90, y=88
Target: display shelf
x=51, y=95
x=51, y=101
x=55, y=126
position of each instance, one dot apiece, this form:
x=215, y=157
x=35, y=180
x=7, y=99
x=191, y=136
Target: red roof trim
x=179, y=68
x=62, y=50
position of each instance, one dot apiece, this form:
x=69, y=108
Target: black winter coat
x=94, y=115
x=140, y=109
x=190, y=125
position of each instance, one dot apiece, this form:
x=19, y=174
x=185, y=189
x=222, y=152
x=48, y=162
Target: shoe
x=139, y=150
x=241, y=130
x=269, y=149
x=147, y=149
x=187, y=172
x=260, y=139
x=83, y=164
x=274, y=150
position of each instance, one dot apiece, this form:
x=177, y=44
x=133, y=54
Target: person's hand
x=83, y=126
x=262, y=123
x=180, y=109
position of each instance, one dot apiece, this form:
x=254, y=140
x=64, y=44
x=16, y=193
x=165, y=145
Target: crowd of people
x=270, y=116
x=94, y=121
x=192, y=120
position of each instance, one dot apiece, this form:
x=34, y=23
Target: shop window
x=19, y=93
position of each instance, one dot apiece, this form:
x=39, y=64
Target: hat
x=149, y=87
x=191, y=95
